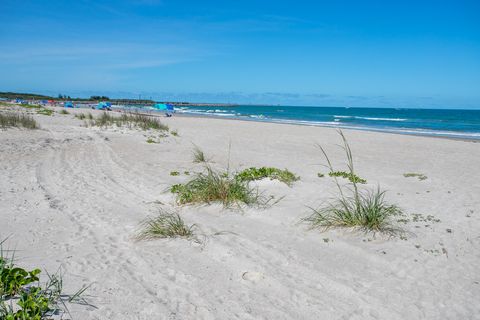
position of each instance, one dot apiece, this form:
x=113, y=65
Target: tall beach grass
x=11, y=119
x=130, y=120
x=354, y=208
x=198, y=155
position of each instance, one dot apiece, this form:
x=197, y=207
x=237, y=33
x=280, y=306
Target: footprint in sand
x=253, y=276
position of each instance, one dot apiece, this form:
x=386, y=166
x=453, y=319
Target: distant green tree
x=99, y=98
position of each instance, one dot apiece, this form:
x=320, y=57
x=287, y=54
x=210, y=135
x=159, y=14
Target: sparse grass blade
x=77, y=296
x=198, y=155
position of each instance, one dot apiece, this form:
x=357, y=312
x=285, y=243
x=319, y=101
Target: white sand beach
x=74, y=196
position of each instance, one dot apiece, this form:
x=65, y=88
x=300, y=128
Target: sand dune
x=74, y=196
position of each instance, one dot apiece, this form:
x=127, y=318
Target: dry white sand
x=73, y=196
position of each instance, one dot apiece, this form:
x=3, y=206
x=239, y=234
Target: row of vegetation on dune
x=129, y=120
x=38, y=109
x=19, y=120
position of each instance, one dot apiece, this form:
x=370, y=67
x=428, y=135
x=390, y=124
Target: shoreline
x=366, y=129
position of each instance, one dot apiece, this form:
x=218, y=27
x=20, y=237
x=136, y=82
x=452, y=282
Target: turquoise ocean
x=453, y=123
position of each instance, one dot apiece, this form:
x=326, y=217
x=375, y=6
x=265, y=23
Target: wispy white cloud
x=105, y=56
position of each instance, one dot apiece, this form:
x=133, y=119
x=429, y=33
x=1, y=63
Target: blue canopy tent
x=168, y=108
x=68, y=104
x=163, y=106
x=103, y=106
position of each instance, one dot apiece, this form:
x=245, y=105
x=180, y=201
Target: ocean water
x=434, y=122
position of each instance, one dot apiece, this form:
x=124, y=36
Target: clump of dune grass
x=165, y=225
x=63, y=111
x=45, y=111
x=253, y=173
x=174, y=133
x=366, y=210
x=10, y=119
x=83, y=116
x=213, y=186
x=130, y=120
x=198, y=155
x=420, y=176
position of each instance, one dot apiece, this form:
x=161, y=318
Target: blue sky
x=353, y=53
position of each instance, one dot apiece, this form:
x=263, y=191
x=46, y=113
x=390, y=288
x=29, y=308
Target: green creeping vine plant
x=33, y=301
x=347, y=175
x=253, y=173
x=12, y=279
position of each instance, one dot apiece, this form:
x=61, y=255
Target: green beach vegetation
x=253, y=173
x=420, y=176
x=80, y=116
x=45, y=111
x=83, y=116
x=165, y=225
x=353, y=208
x=33, y=300
x=39, y=109
x=63, y=97
x=213, y=186
x=198, y=155
x=26, y=96
x=347, y=175
x=130, y=120
x=10, y=119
